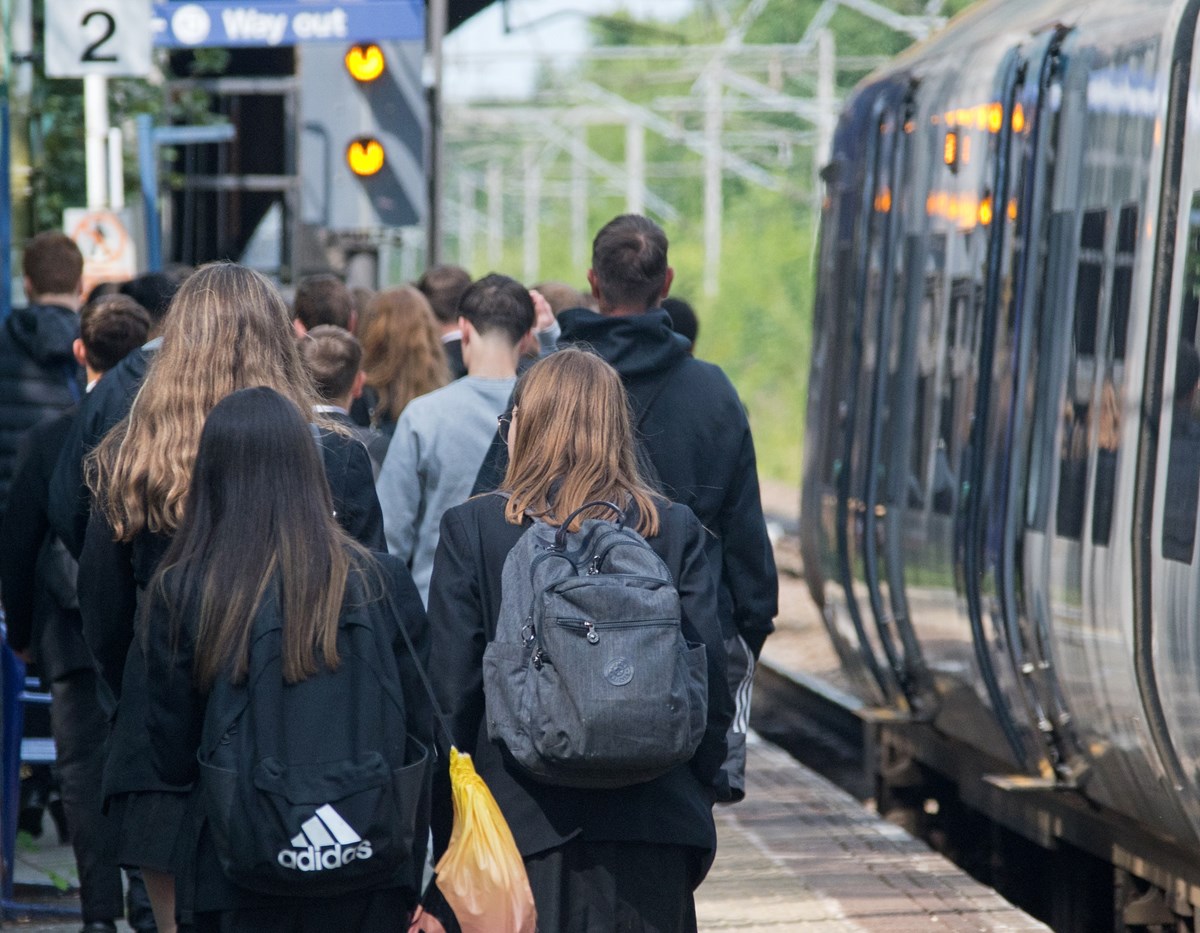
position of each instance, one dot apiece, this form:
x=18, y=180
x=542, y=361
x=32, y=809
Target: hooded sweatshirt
x=694, y=432
x=38, y=376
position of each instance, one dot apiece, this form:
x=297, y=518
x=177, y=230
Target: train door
x=1166, y=559
x=870, y=264
x=1029, y=345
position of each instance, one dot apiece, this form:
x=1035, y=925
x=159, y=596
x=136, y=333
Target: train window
x=1183, y=461
x=1077, y=410
x=1108, y=428
x=1051, y=363
x=925, y=440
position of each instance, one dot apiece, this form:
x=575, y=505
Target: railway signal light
x=361, y=153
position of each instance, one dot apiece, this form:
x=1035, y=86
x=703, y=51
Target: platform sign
x=230, y=23
x=103, y=237
x=97, y=37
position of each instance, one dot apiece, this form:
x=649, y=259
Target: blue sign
x=229, y=23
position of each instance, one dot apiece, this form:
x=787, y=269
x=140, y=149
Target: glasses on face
x=503, y=423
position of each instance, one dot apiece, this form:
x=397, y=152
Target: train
x=1002, y=451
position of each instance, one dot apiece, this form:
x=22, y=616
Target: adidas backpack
x=312, y=789
x=589, y=681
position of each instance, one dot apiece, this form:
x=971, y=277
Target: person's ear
x=80, y=352
x=300, y=329
x=27, y=283
x=356, y=387
x=594, y=283
x=468, y=332
x=667, y=280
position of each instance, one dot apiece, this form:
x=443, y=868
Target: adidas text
x=337, y=856
x=325, y=841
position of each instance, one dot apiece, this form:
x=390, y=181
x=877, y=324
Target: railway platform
x=800, y=854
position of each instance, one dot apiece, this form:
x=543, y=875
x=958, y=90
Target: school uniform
x=583, y=848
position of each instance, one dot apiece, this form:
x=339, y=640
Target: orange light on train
x=365, y=156
x=365, y=62
x=950, y=148
x=995, y=118
x=985, y=211
x=883, y=201
x=1012, y=209
x=1018, y=119
x=964, y=150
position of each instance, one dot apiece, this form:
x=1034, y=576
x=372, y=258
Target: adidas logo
x=325, y=841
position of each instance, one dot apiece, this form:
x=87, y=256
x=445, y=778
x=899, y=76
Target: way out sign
x=97, y=37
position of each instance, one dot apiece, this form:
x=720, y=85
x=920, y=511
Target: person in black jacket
x=694, y=438
x=39, y=376
x=41, y=609
x=256, y=506
x=106, y=404
x=635, y=854
x=228, y=329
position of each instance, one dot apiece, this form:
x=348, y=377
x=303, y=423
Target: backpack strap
x=560, y=536
x=421, y=672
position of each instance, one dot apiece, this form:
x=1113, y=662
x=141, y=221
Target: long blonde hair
x=572, y=442
x=228, y=328
x=402, y=350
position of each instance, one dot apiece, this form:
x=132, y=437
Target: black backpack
x=589, y=681
x=312, y=789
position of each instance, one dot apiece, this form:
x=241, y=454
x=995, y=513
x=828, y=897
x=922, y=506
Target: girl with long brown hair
x=402, y=354
x=633, y=854
x=228, y=329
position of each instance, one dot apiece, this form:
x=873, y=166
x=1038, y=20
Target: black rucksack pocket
x=315, y=830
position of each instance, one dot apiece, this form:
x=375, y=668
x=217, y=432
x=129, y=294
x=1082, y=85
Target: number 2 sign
x=97, y=37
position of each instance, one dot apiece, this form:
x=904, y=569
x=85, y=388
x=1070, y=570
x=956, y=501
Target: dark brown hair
x=323, y=299
x=629, y=257
x=110, y=327
x=53, y=263
x=443, y=286
x=333, y=357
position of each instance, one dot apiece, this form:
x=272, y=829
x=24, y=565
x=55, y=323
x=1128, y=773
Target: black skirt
x=149, y=828
x=629, y=887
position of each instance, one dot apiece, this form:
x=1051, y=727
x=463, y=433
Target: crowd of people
x=201, y=484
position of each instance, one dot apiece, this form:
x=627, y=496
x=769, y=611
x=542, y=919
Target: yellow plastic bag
x=481, y=874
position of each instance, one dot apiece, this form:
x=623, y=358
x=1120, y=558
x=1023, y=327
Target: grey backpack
x=589, y=681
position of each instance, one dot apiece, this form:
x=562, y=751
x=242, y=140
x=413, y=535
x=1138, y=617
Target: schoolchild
x=634, y=854
x=228, y=329
x=258, y=550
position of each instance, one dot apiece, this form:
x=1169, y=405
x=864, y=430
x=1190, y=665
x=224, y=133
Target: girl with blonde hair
x=633, y=854
x=228, y=329
x=402, y=354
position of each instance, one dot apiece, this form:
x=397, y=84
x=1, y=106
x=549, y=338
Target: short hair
x=444, y=286
x=323, y=299
x=111, y=327
x=683, y=318
x=333, y=356
x=629, y=258
x=498, y=303
x=153, y=291
x=53, y=264
x=561, y=296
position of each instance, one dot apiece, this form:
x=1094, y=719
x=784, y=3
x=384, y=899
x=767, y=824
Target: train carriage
x=999, y=513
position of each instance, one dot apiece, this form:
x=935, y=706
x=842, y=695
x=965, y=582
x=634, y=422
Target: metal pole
x=6, y=218
x=533, y=204
x=579, y=212
x=826, y=95
x=635, y=168
x=436, y=30
x=148, y=170
x=466, y=220
x=95, y=150
x=495, y=214
x=116, y=168
x=17, y=140
x=713, y=124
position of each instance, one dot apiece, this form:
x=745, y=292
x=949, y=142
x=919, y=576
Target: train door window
x=1077, y=411
x=1052, y=323
x=953, y=401
x=1108, y=425
x=929, y=335
x=1183, y=461
x=840, y=297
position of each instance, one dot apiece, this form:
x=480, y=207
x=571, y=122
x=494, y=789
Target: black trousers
x=373, y=912
x=615, y=887
x=80, y=730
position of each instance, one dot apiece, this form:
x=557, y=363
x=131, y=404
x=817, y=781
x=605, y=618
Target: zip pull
x=594, y=566
x=593, y=636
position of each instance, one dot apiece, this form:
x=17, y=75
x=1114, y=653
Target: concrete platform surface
x=799, y=854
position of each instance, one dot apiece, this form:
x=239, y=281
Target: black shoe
x=99, y=926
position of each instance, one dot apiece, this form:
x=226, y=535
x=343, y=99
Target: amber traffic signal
x=365, y=62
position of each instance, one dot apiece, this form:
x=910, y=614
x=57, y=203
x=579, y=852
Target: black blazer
x=112, y=575
x=175, y=722
x=464, y=604
x=37, y=574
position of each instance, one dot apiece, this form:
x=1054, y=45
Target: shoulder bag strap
x=425, y=682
